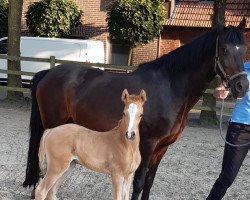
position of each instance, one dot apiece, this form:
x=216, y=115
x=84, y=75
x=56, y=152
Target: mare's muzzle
x=239, y=86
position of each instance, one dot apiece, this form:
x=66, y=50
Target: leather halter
x=218, y=63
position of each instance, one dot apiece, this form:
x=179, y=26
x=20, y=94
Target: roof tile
x=196, y=13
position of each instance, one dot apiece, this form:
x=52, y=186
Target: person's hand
x=220, y=92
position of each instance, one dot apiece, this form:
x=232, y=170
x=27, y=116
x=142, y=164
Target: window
x=118, y=54
x=3, y=46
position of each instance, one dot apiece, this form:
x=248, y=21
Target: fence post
x=52, y=61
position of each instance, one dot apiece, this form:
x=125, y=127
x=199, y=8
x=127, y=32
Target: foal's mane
x=191, y=55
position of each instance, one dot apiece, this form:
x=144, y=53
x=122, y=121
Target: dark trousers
x=232, y=160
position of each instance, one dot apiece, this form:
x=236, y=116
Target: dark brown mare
x=173, y=83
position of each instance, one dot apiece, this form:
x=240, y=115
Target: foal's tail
x=36, y=131
x=42, y=153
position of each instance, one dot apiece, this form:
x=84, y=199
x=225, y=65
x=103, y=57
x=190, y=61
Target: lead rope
x=233, y=145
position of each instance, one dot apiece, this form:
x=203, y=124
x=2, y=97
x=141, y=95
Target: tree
x=3, y=18
x=52, y=18
x=14, y=33
x=209, y=117
x=219, y=12
x=135, y=22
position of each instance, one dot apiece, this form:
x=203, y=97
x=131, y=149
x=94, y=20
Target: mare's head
x=231, y=49
x=133, y=111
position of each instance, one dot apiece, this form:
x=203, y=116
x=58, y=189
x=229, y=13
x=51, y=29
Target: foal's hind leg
x=52, y=192
x=54, y=171
x=154, y=163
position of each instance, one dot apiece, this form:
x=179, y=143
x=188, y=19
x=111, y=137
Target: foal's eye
x=123, y=114
x=141, y=115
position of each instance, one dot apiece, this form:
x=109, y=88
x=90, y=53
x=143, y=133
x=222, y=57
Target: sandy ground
x=187, y=171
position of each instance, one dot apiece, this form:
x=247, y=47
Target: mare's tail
x=36, y=131
x=42, y=154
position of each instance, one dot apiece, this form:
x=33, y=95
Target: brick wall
x=247, y=35
x=26, y=4
x=145, y=52
x=173, y=37
x=94, y=25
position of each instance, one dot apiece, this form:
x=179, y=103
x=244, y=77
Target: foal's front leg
x=117, y=183
x=128, y=185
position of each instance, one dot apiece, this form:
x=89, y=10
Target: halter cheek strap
x=218, y=63
x=228, y=79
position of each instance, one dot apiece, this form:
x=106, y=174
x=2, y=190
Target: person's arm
x=220, y=92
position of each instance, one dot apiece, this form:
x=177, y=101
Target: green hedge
x=52, y=18
x=3, y=18
x=135, y=22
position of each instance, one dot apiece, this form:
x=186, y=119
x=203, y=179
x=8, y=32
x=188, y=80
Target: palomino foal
x=115, y=152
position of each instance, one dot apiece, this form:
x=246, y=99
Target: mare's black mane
x=192, y=54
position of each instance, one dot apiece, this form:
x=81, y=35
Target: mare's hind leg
x=140, y=174
x=53, y=109
x=154, y=163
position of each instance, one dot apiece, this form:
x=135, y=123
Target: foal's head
x=132, y=112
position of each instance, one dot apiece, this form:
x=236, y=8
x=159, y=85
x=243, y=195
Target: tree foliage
x=135, y=22
x=52, y=18
x=3, y=18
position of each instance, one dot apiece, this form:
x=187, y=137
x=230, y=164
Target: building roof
x=197, y=13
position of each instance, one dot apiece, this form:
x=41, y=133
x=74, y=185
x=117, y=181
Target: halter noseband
x=217, y=63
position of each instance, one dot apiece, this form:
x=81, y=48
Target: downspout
x=158, y=51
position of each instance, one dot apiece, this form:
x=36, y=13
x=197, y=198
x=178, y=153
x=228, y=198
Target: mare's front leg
x=154, y=163
x=146, y=150
x=117, y=186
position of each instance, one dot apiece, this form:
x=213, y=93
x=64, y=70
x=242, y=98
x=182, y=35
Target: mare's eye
x=123, y=114
x=141, y=115
x=224, y=50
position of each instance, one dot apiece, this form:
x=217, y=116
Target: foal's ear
x=242, y=24
x=125, y=95
x=143, y=96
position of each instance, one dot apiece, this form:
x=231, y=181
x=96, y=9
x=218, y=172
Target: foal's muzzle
x=130, y=135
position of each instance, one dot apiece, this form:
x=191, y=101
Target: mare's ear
x=242, y=24
x=125, y=95
x=143, y=96
x=219, y=26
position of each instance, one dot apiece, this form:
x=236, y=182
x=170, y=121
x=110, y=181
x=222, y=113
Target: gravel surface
x=187, y=171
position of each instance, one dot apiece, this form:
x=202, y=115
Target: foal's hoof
x=32, y=196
